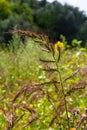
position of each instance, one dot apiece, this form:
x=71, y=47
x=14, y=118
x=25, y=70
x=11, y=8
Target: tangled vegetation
x=42, y=85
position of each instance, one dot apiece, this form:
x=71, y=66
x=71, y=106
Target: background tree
x=53, y=18
x=83, y=33
x=5, y=9
x=57, y=19
x=43, y=3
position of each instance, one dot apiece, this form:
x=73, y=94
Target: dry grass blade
x=43, y=49
x=49, y=69
x=27, y=33
x=47, y=61
x=50, y=82
x=30, y=88
x=44, y=46
x=10, y=118
x=26, y=107
x=77, y=86
x=80, y=84
x=72, y=75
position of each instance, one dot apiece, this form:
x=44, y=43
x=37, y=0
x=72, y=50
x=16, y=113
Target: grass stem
x=64, y=97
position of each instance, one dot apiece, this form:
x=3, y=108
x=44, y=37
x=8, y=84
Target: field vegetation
x=43, y=70
x=43, y=86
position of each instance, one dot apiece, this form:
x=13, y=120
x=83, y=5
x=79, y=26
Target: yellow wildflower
x=1, y=112
x=57, y=45
x=72, y=128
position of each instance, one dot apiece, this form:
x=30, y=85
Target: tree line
x=41, y=16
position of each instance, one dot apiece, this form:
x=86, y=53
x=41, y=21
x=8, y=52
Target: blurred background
x=66, y=17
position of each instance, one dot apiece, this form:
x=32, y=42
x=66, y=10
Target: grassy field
x=42, y=86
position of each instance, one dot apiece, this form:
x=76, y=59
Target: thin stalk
x=64, y=97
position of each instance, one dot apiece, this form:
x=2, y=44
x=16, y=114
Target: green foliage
x=34, y=4
x=5, y=9
x=83, y=32
x=3, y=28
x=15, y=44
x=43, y=3
x=75, y=43
x=21, y=17
x=57, y=19
x=22, y=10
